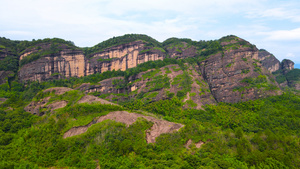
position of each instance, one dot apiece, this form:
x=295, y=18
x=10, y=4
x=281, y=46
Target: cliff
x=268, y=60
x=123, y=57
x=236, y=75
x=226, y=70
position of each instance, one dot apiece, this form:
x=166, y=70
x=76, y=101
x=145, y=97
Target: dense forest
x=260, y=133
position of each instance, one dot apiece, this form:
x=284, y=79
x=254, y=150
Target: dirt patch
x=189, y=142
x=159, y=126
x=91, y=99
x=58, y=90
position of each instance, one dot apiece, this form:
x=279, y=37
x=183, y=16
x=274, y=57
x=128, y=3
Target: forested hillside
x=182, y=104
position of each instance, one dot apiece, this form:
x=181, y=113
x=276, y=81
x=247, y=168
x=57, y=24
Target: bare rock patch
x=159, y=126
x=58, y=90
x=91, y=99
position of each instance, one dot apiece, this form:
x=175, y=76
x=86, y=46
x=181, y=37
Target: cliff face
x=68, y=62
x=64, y=64
x=234, y=75
x=181, y=50
x=122, y=57
x=226, y=70
x=287, y=65
x=269, y=61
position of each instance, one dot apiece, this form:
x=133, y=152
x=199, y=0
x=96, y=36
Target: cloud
x=282, y=11
x=282, y=35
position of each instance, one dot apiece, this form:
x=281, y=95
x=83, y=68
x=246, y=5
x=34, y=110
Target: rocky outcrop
x=69, y=62
x=40, y=107
x=61, y=65
x=268, y=60
x=105, y=86
x=93, y=99
x=287, y=65
x=159, y=126
x=225, y=72
x=181, y=51
x=123, y=57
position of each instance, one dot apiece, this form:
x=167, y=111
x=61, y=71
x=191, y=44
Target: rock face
x=225, y=72
x=287, y=65
x=61, y=65
x=105, y=86
x=73, y=63
x=42, y=106
x=122, y=57
x=269, y=61
x=181, y=51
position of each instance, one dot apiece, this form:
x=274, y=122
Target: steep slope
x=226, y=70
x=51, y=59
x=235, y=74
x=268, y=60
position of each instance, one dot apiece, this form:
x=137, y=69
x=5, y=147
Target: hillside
x=133, y=102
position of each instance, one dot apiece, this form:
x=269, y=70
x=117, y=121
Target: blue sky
x=271, y=25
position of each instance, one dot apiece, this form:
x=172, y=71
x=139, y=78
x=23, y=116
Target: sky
x=273, y=25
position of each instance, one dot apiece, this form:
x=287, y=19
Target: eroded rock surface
x=198, y=145
x=268, y=60
x=159, y=126
x=41, y=106
x=92, y=99
x=225, y=71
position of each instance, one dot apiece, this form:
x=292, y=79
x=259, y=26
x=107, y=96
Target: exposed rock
x=35, y=107
x=58, y=90
x=92, y=99
x=224, y=73
x=41, y=107
x=198, y=145
x=122, y=57
x=181, y=51
x=159, y=126
x=268, y=60
x=104, y=86
x=65, y=64
x=287, y=65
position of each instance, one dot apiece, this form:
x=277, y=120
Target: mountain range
x=134, y=102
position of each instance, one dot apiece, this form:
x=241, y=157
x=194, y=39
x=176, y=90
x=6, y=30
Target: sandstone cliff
x=123, y=57
x=61, y=65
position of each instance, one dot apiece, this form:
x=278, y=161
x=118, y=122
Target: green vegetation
x=258, y=82
x=152, y=49
x=258, y=133
x=158, y=82
x=261, y=133
x=184, y=81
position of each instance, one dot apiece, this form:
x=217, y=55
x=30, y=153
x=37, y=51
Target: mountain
x=233, y=69
x=133, y=102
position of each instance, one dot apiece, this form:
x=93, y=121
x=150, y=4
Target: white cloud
x=88, y=22
x=283, y=35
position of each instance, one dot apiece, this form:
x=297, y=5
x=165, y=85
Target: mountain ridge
x=233, y=68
